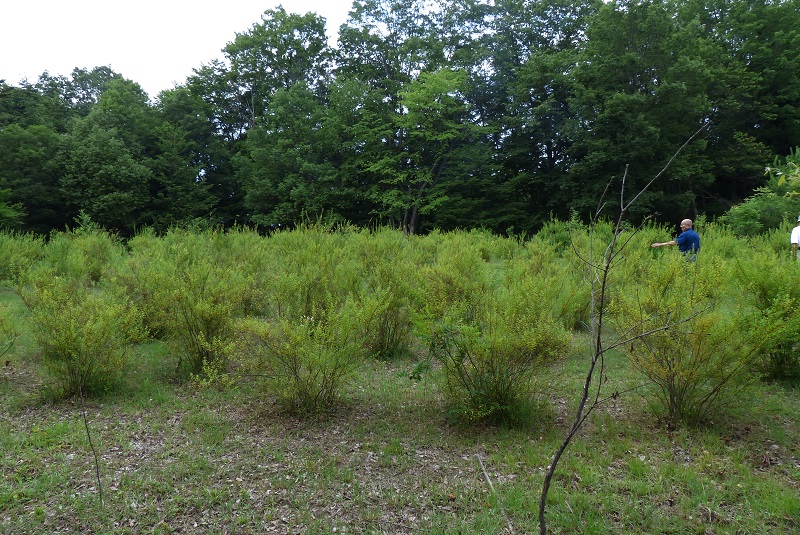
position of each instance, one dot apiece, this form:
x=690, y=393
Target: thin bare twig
x=599, y=283
x=494, y=492
x=91, y=445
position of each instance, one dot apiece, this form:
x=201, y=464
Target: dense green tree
x=34, y=119
x=78, y=93
x=217, y=106
x=761, y=38
x=637, y=102
x=282, y=50
x=109, y=165
x=368, y=133
x=30, y=167
x=10, y=213
x=457, y=113
x=26, y=106
x=193, y=164
x=521, y=57
x=385, y=46
x=287, y=167
x=211, y=83
x=435, y=133
x=755, y=93
x=387, y=43
x=104, y=179
x=540, y=129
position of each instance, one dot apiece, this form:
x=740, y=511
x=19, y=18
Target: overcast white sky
x=155, y=43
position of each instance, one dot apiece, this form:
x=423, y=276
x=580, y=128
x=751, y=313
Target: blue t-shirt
x=688, y=241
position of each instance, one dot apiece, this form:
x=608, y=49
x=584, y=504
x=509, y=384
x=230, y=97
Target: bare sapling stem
x=91, y=445
x=599, y=272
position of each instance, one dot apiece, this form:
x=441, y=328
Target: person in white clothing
x=796, y=239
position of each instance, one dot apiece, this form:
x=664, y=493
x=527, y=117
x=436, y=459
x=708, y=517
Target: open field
x=165, y=443
x=178, y=460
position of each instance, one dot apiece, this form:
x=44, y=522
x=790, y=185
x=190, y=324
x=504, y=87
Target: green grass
x=174, y=458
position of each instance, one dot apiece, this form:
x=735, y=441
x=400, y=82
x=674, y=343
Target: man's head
x=686, y=224
x=798, y=220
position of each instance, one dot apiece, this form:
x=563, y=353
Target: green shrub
x=771, y=205
x=566, y=294
x=87, y=253
x=780, y=359
x=388, y=271
x=767, y=281
x=254, y=260
x=716, y=241
x=763, y=210
x=19, y=253
x=457, y=280
x=304, y=362
x=83, y=334
x=144, y=279
x=489, y=364
x=189, y=292
x=310, y=267
x=562, y=234
x=777, y=239
x=695, y=348
x=387, y=329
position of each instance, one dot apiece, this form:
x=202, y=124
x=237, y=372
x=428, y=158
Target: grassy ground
x=177, y=459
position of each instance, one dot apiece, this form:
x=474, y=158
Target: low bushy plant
x=253, y=258
x=304, y=362
x=777, y=239
x=557, y=282
x=489, y=364
x=718, y=242
x=780, y=359
x=388, y=272
x=388, y=328
x=458, y=279
x=562, y=234
x=705, y=359
x=311, y=267
x=19, y=253
x=772, y=205
x=762, y=211
x=87, y=253
x=147, y=272
x=767, y=280
x=189, y=292
x=84, y=334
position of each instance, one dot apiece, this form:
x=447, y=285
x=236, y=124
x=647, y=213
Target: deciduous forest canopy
x=453, y=114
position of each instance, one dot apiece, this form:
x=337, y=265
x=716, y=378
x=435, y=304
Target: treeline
x=453, y=114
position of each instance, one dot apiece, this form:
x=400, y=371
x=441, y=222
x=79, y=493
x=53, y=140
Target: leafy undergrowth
x=174, y=459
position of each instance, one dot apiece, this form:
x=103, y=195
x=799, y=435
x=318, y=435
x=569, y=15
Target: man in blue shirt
x=688, y=241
